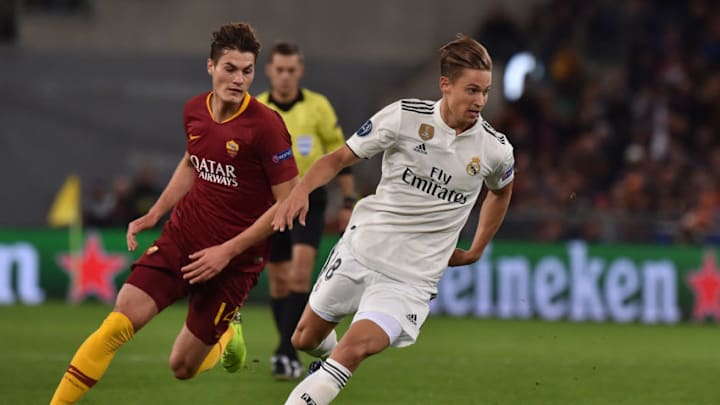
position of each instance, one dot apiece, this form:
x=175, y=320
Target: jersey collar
x=446, y=127
x=243, y=107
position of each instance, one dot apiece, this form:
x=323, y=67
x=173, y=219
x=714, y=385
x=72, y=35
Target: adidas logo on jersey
x=421, y=149
x=412, y=318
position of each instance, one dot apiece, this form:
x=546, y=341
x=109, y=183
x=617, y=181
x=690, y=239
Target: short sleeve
x=377, y=134
x=187, y=108
x=275, y=148
x=504, y=171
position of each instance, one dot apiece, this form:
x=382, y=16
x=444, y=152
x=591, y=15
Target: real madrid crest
x=232, y=148
x=473, y=167
x=426, y=132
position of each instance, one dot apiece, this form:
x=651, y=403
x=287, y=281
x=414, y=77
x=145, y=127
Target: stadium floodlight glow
x=517, y=67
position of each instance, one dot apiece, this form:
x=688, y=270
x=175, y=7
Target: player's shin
x=214, y=356
x=93, y=358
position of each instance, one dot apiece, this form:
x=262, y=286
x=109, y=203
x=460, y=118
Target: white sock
x=322, y=386
x=325, y=347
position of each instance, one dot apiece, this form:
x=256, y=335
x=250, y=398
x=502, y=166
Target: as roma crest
x=473, y=167
x=232, y=148
x=426, y=132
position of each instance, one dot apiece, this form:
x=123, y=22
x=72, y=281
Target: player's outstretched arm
x=179, y=185
x=211, y=261
x=492, y=213
x=319, y=174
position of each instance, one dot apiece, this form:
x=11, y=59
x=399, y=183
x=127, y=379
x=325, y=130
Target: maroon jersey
x=236, y=162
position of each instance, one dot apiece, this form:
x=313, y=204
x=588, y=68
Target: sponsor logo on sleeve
x=284, y=155
x=365, y=128
x=508, y=173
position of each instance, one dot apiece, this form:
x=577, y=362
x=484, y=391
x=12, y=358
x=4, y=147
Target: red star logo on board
x=705, y=283
x=92, y=271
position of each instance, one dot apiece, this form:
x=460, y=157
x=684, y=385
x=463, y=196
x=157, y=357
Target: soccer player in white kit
x=385, y=269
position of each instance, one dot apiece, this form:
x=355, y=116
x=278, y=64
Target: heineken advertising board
x=572, y=281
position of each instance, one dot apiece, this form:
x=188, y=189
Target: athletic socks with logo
x=322, y=386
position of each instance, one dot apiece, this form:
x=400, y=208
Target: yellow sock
x=93, y=358
x=214, y=356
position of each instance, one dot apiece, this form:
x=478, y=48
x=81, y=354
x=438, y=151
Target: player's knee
x=279, y=281
x=298, y=340
x=358, y=348
x=300, y=282
x=302, y=340
x=354, y=353
x=279, y=290
x=181, y=369
x=279, y=286
x=183, y=373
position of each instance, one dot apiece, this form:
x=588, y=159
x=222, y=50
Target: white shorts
x=345, y=287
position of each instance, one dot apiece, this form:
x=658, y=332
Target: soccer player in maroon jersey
x=238, y=162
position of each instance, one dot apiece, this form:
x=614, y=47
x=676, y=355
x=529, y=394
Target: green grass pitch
x=456, y=361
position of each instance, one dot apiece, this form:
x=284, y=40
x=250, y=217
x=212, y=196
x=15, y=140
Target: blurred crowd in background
x=126, y=198
x=616, y=136
x=619, y=140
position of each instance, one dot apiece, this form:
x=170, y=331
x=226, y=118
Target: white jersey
x=431, y=178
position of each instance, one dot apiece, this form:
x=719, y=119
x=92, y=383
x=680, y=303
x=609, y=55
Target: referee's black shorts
x=281, y=243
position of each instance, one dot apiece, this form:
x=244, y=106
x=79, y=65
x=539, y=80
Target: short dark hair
x=463, y=53
x=237, y=36
x=286, y=49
